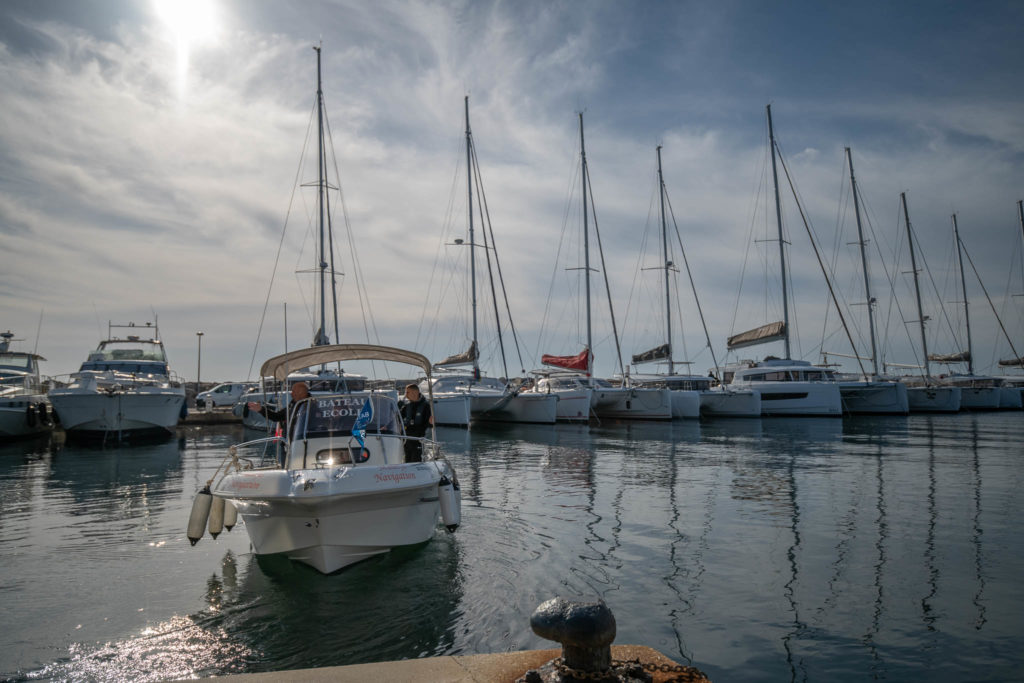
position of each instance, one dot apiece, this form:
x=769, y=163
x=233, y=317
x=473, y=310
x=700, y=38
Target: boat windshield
x=337, y=414
x=15, y=361
x=128, y=350
x=130, y=367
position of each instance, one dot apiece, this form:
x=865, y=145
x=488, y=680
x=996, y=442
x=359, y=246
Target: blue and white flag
x=359, y=428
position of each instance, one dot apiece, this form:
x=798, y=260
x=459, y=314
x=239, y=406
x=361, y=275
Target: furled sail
x=1012, y=363
x=577, y=362
x=962, y=357
x=465, y=358
x=761, y=335
x=657, y=353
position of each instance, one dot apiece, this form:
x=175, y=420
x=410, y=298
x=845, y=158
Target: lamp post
x=199, y=359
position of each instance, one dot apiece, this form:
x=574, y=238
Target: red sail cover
x=577, y=362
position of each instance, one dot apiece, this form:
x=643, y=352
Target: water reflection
x=800, y=549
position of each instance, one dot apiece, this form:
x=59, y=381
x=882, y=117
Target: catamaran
x=460, y=376
x=692, y=395
x=787, y=386
x=607, y=400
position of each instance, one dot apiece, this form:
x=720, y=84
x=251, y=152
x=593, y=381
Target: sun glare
x=190, y=22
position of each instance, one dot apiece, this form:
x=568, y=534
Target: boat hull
x=14, y=422
x=633, y=403
x=720, y=403
x=874, y=398
x=91, y=414
x=685, y=403
x=573, y=405
x=811, y=399
x=452, y=411
x=933, y=399
x=332, y=518
x=1010, y=398
x=979, y=398
x=525, y=407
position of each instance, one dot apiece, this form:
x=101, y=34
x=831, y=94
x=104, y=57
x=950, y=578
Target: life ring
x=31, y=417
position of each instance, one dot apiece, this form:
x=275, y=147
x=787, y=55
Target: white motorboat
x=335, y=488
x=788, y=387
x=24, y=408
x=574, y=393
x=123, y=390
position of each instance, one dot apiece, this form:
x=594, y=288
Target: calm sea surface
x=775, y=550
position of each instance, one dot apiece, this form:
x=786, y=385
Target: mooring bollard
x=586, y=631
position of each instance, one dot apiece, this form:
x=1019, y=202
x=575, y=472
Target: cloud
x=117, y=195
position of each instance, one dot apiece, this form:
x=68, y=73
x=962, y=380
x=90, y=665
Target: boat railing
x=265, y=453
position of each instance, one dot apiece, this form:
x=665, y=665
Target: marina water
x=757, y=550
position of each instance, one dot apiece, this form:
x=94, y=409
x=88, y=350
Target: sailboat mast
x=322, y=262
x=782, y=244
x=586, y=246
x=864, y=263
x=917, y=287
x=963, y=286
x=668, y=265
x=472, y=243
x=1020, y=218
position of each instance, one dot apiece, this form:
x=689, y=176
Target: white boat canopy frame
x=279, y=367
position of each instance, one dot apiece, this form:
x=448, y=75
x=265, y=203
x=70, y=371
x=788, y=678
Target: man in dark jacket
x=416, y=418
x=300, y=391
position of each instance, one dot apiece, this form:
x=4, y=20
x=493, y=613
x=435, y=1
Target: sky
x=150, y=154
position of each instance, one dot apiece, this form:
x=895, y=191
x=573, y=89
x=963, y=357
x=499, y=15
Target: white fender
x=450, y=497
x=217, y=516
x=200, y=513
x=230, y=515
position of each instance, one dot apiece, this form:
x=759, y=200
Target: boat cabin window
x=128, y=350
x=777, y=376
x=15, y=361
x=126, y=367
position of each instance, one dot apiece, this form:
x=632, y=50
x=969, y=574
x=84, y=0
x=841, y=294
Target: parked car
x=226, y=394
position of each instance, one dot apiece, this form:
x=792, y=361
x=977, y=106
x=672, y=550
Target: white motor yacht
x=788, y=387
x=24, y=408
x=335, y=488
x=124, y=389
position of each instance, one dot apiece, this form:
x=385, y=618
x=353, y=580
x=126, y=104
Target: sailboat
x=24, y=408
x=336, y=486
x=692, y=395
x=491, y=399
x=1015, y=383
x=976, y=392
x=925, y=395
x=576, y=371
x=787, y=386
x=869, y=394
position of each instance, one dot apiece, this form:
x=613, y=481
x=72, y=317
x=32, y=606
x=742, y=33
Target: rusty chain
x=686, y=674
